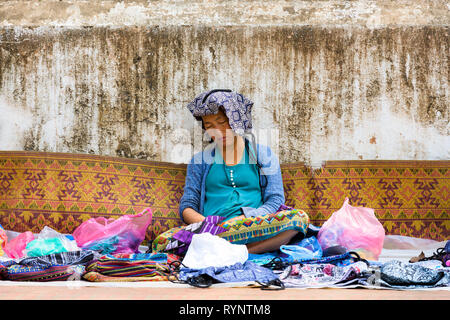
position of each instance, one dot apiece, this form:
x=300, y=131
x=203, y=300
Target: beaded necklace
x=230, y=176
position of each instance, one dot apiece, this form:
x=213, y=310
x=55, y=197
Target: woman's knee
x=288, y=235
x=272, y=243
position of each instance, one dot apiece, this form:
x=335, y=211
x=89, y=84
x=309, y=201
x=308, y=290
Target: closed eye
x=210, y=126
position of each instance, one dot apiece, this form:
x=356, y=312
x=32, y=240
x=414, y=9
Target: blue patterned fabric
x=263, y=258
x=157, y=257
x=236, y=107
x=238, y=272
x=338, y=260
x=397, y=274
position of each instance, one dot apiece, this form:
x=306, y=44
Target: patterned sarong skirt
x=248, y=230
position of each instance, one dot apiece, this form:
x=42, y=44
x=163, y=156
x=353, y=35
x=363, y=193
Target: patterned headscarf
x=237, y=108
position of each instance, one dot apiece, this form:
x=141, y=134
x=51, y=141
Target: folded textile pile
x=54, y=267
x=143, y=267
x=100, y=250
x=107, y=250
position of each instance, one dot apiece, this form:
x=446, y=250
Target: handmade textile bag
x=130, y=268
x=248, y=230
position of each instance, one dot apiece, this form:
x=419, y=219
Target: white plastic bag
x=47, y=233
x=398, y=242
x=207, y=250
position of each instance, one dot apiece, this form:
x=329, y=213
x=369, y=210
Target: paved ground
x=24, y=292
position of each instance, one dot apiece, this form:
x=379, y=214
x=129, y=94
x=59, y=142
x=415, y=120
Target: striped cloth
x=161, y=258
x=157, y=257
x=129, y=268
x=182, y=239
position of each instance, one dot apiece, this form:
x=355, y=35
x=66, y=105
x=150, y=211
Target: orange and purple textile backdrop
x=62, y=190
x=410, y=198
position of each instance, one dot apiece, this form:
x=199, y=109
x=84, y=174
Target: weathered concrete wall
x=354, y=80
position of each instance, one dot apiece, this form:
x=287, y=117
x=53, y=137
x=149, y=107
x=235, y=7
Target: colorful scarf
x=182, y=239
x=237, y=108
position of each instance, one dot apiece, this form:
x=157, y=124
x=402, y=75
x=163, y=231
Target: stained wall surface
x=330, y=80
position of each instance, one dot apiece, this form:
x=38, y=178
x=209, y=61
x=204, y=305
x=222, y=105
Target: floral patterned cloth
x=321, y=275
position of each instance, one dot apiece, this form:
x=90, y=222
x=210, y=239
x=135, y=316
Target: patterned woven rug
x=61, y=191
x=410, y=198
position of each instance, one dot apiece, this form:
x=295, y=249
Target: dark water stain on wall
x=114, y=88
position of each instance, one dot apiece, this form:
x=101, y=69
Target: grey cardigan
x=198, y=168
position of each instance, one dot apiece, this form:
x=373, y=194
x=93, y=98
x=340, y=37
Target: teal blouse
x=228, y=188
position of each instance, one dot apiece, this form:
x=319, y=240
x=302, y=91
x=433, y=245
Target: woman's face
x=218, y=128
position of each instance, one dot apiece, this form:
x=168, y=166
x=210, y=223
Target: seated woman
x=236, y=179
